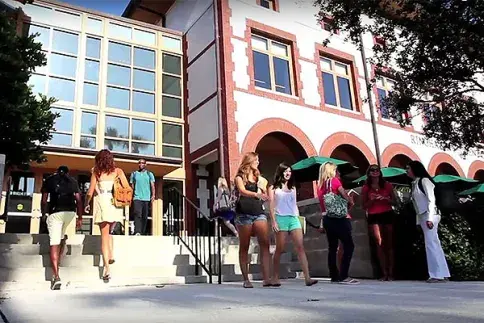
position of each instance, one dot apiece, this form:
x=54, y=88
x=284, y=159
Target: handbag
x=336, y=206
x=123, y=193
x=228, y=207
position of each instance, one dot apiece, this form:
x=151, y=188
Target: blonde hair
x=222, y=183
x=245, y=168
x=326, y=171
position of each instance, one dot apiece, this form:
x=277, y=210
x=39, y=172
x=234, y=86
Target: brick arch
x=269, y=125
x=346, y=138
x=475, y=167
x=440, y=158
x=397, y=149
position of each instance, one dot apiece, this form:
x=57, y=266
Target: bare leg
x=54, y=259
x=105, y=248
x=231, y=227
x=298, y=240
x=244, y=243
x=111, y=256
x=374, y=230
x=261, y=229
x=388, y=247
x=280, y=244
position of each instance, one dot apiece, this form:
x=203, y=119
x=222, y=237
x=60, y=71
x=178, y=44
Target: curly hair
x=245, y=167
x=104, y=163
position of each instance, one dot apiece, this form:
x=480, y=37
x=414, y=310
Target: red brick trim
x=397, y=149
x=345, y=138
x=284, y=37
x=440, y=158
x=266, y=126
x=474, y=168
x=348, y=59
x=204, y=150
x=276, y=5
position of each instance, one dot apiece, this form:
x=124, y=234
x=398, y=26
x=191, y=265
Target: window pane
x=341, y=68
x=329, y=90
x=88, y=142
x=344, y=93
x=117, y=127
x=262, y=74
x=172, y=43
x=144, y=80
x=119, y=53
x=90, y=94
x=171, y=107
x=119, y=31
x=144, y=37
x=119, y=75
x=38, y=83
x=281, y=71
x=63, y=65
x=279, y=49
x=382, y=94
x=60, y=139
x=265, y=4
x=172, y=134
x=65, y=42
x=259, y=43
x=171, y=85
x=143, y=130
x=117, y=98
x=44, y=68
x=94, y=26
x=43, y=36
x=64, y=121
x=91, y=72
x=62, y=89
x=171, y=64
x=174, y=152
x=144, y=58
x=143, y=149
x=326, y=64
x=93, y=47
x=143, y=102
x=379, y=82
x=89, y=123
x=116, y=145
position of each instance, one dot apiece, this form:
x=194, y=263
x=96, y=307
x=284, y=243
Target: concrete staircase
x=145, y=260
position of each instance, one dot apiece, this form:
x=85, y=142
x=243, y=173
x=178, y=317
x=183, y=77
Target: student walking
x=251, y=218
x=65, y=200
x=285, y=222
x=223, y=205
x=143, y=184
x=428, y=217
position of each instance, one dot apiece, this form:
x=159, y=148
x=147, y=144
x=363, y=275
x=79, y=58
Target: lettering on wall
x=431, y=143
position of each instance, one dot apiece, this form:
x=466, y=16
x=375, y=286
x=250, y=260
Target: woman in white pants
x=428, y=218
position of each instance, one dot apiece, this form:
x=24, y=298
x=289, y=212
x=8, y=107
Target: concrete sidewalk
x=369, y=302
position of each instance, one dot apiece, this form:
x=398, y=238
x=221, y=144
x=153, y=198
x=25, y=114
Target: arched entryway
x=398, y=155
x=352, y=155
x=399, y=161
x=446, y=169
x=443, y=164
x=479, y=176
x=476, y=170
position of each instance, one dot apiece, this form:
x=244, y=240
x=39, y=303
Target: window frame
x=71, y=133
x=163, y=144
x=273, y=4
x=349, y=76
x=387, y=90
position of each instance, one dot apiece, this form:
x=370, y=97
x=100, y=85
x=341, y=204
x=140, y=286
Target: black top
x=61, y=189
x=249, y=205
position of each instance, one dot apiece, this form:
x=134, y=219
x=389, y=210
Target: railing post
x=219, y=252
x=196, y=243
x=210, y=268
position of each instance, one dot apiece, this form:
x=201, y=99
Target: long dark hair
x=279, y=177
x=104, y=163
x=381, y=180
x=419, y=171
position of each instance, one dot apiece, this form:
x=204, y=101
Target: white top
x=424, y=202
x=285, y=202
x=223, y=197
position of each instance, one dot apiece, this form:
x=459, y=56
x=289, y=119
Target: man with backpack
x=143, y=183
x=65, y=200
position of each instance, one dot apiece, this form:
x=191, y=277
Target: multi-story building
x=258, y=78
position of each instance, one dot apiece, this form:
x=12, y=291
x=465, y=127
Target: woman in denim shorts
x=251, y=218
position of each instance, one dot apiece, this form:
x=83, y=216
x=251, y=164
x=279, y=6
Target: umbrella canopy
x=307, y=170
x=479, y=189
x=452, y=179
x=397, y=175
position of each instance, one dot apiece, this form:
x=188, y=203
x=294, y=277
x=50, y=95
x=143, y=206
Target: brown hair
x=104, y=163
x=245, y=169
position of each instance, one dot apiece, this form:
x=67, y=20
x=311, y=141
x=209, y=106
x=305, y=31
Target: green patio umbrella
x=479, y=189
x=307, y=170
x=393, y=174
x=452, y=179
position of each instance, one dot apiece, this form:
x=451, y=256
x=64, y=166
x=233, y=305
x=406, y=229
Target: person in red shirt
x=378, y=197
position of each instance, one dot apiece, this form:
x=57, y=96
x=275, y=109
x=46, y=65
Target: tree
x=435, y=48
x=26, y=120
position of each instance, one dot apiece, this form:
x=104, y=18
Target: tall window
x=172, y=140
x=129, y=135
x=327, y=24
x=91, y=71
x=63, y=127
x=337, y=83
x=384, y=86
x=171, y=100
x=269, y=4
x=272, y=65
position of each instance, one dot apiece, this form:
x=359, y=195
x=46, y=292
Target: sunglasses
x=374, y=169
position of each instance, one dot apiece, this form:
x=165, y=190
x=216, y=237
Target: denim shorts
x=246, y=219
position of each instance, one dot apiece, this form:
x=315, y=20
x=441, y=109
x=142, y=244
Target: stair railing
x=197, y=231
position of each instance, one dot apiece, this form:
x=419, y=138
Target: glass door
x=19, y=206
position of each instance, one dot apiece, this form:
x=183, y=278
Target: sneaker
x=55, y=284
x=349, y=281
x=435, y=280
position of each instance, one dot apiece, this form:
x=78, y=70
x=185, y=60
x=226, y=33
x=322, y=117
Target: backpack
x=62, y=197
x=123, y=193
x=336, y=206
x=445, y=199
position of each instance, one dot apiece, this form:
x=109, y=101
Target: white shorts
x=57, y=224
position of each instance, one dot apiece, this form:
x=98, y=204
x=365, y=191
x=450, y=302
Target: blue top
x=142, y=184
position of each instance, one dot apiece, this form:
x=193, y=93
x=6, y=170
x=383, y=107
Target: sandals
x=106, y=278
x=435, y=280
x=311, y=282
x=349, y=281
x=111, y=261
x=247, y=284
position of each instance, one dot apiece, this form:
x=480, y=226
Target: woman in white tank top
x=285, y=221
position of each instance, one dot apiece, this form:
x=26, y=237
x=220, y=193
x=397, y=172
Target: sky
x=113, y=7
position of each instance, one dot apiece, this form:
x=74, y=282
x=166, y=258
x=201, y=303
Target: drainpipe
x=219, y=89
x=370, y=102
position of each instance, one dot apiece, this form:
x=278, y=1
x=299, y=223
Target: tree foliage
x=435, y=48
x=26, y=120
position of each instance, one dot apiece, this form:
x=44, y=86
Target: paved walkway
x=369, y=302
